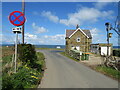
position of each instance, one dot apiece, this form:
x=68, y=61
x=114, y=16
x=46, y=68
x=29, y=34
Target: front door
x=77, y=47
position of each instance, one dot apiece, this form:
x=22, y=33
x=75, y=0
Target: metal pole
x=16, y=51
x=119, y=23
x=107, y=42
x=23, y=11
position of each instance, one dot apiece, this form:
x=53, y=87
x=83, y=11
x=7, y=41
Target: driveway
x=63, y=72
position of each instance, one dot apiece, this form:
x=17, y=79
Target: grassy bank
x=109, y=72
x=63, y=53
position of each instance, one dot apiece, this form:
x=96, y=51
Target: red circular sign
x=17, y=18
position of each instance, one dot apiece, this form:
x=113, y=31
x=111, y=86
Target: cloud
x=35, y=13
x=107, y=0
x=50, y=16
x=57, y=39
x=97, y=36
x=83, y=15
x=30, y=36
x=6, y=39
x=71, y=21
x=39, y=29
x=100, y=5
x=86, y=15
x=46, y=39
x=94, y=32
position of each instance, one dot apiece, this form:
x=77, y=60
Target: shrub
x=25, y=78
x=7, y=83
x=26, y=53
x=116, y=53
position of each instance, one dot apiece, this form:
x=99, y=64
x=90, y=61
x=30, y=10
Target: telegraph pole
x=119, y=23
x=108, y=27
x=107, y=42
x=23, y=11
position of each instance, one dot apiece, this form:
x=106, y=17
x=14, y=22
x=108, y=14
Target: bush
x=25, y=78
x=7, y=82
x=27, y=54
x=116, y=53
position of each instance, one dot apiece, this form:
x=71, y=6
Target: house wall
x=104, y=51
x=95, y=49
x=84, y=43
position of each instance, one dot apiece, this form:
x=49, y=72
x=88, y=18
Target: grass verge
x=108, y=71
x=64, y=54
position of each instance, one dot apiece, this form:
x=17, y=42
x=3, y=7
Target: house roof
x=70, y=32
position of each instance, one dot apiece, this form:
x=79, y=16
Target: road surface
x=63, y=72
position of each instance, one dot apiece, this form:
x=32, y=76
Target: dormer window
x=78, y=39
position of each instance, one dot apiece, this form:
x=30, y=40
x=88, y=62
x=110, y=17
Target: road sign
x=17, y=18
x=17, y=29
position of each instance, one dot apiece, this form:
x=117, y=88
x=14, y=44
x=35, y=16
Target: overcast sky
x=47, y=21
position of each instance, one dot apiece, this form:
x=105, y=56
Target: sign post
x=16, y=51
x=17, y=18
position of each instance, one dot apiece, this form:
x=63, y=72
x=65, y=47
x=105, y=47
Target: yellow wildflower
x=34, y=77
x=34, y=73
x=27, y=67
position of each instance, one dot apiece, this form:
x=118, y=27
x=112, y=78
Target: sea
x=51, y=46
x=40, y=46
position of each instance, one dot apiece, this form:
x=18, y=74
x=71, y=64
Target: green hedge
x=27, y=54
x=116, y=53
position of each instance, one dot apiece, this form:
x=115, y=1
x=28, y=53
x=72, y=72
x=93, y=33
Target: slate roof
x=87, y=32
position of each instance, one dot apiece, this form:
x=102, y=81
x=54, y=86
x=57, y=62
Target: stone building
x=78, y=39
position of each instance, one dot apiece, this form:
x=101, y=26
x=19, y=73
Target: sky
x=46, y=22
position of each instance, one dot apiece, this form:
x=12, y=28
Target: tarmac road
x=63, y=72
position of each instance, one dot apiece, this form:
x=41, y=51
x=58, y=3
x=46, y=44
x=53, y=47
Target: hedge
x=116, y=53
x=27, y=54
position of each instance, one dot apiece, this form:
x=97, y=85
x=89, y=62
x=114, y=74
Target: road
x=63, y=72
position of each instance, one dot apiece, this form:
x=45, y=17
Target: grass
x=109, y=71
x=6, y=56
x=6, y=51
x=63, y=53
x=116, y=49
x=6, y=59
x=41, y=59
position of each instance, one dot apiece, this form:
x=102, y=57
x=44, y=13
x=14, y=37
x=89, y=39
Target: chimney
x=77, y=26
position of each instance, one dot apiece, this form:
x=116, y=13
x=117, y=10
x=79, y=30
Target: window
x=78, y=39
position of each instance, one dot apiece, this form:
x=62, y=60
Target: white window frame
x=77, y=39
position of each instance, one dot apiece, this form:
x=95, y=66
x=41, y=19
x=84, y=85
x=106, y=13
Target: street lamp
x=109, y=35
x=108, y=27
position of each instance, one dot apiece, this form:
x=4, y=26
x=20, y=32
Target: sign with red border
x=17, y=18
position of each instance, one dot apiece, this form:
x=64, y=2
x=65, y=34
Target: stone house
x=78, y=39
